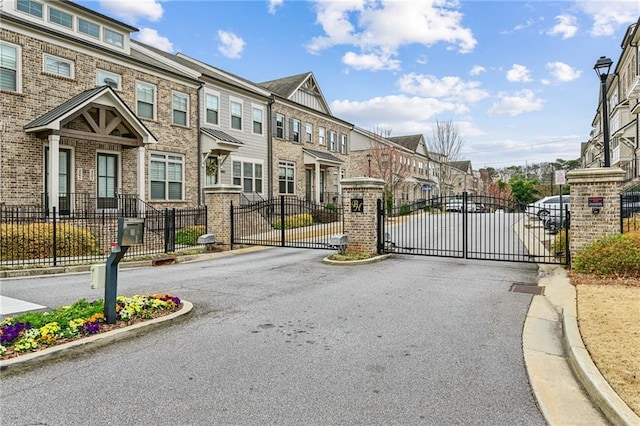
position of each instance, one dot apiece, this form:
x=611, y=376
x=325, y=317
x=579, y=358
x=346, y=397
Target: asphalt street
x=278, y=337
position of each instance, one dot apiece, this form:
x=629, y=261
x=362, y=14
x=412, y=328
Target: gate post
x=359, y=202
x=218, y=201
x=595, y=205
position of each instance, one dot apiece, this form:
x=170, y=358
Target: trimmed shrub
x=188, y=235
x=295, y=221
x=35, y=241
x=331, y=207
x=612, y=256
x=405, y=209
x=559, y=246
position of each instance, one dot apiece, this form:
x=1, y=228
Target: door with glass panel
x=64, y=180
x=107, y=181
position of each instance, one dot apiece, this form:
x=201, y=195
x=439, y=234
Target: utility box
x=97, y=276
x=339, y=242
x=206, y=239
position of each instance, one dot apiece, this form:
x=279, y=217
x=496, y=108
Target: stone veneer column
x=218, y=201
x=587, y=226
x=360, y=227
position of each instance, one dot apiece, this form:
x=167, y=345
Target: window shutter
x=274, y=130
x=290, y=128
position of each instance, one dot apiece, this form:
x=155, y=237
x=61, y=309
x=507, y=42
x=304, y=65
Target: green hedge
x=188, y=235
x=295, y=221
x=612, y=256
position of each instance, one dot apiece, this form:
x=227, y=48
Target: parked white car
x=548, y=206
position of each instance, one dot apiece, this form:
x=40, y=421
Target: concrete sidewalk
x=567, y=385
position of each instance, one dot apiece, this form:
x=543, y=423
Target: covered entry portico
x=323, y=172
x=88, y=158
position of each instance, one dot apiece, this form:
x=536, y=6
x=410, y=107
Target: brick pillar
x=360, y=225
x=218, y=201
x=588, y=226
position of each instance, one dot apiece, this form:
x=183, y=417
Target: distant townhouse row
x=92, y=117
x=623, y=107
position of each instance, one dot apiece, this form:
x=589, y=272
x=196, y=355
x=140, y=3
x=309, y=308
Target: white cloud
x=566, y=26
x=516, y=104
x=273, y=5
x=449, y=88
x=518, y=74
x=609, y=16
x=563, y=72
x=152, y=38
x=132, y=11
x=477, y=70
x=385, y=26
x=371, y=61
x=230, y=45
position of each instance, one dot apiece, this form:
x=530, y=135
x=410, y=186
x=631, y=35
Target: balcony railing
x=634, y=87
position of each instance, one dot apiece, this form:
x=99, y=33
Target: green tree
x=523, y=190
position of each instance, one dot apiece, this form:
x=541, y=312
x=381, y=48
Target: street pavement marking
x=9, y=305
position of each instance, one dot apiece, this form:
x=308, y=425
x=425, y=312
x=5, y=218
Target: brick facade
x=361, y=228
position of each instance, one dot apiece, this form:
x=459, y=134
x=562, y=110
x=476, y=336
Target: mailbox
x=339, y=242
x=206, y=239
x=130, y=231
x=97, y=276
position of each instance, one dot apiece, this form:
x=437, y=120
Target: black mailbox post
x=130, y=232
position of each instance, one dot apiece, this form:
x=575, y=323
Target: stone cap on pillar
x=223, y=189
x=362, y=182
x=596, y=174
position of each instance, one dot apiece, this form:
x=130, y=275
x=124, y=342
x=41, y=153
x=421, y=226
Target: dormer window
x=109, y=79
x=113, y=38
x=61, y=18
x=88, y=28
x=31, y=7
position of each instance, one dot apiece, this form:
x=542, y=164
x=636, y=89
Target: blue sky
x=515, y=77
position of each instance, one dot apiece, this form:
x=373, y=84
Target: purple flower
x=90, y=328
x=11, y=331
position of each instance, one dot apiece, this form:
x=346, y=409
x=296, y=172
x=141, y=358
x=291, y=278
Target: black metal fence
x=29, y=238
x=475, y=227
x=286, y=222
x=630, y=209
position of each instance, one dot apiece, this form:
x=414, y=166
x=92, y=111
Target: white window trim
x=287, y=164
x=166, y=181
x=284, y=126
x=18, y=66
x=73, y=18
x=217, y=95
x=29, y=14
x=242, y=124
x=72, y=71
x=262, y=109
x=173, y=92
x=253, y=161
x=89, y=22
x=104, y=37
x=322, y=136
x=308, y=126
x=155, y=99
x=109, y=73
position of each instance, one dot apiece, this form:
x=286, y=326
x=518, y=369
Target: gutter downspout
x=199, y=162
x=270, y=148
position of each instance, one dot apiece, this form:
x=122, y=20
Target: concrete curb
x=32, y=359
x=355, y=262
x=599, y=390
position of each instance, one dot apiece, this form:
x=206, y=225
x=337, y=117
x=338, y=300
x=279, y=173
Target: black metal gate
x=285, y=222
x=475, y=227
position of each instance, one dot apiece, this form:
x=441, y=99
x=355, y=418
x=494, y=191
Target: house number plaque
x=357, y=205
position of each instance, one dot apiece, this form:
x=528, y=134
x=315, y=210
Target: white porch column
x=141, y=173
x=54, y=173
x=318, y=189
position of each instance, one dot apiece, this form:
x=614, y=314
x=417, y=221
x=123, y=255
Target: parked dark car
x=481, y=208
x=554, y=224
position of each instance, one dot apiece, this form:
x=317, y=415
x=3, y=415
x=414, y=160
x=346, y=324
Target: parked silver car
x=548, y=206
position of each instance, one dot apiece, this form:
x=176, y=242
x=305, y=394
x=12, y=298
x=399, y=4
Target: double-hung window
x=88, y=28
x=332, y=140
x=113, y=38
x=9, y=67
x=257, y=120
x=108, y=78
x=308, y=132
x=236, y=115
x=286, y=177
x=321, y=135
x=146, y=100
x=212, y=109
x=343, y=143
x=248, y=175
x=166, y=176
x=280, y=126
x=61, y=18
x=58, y=66
x=179, y=106
x=31, y=7
x=295, y=130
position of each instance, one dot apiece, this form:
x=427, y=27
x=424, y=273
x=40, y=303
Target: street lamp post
x=369, y=160
x=602, y=67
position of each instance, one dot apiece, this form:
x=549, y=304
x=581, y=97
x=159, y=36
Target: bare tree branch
x=445, y=140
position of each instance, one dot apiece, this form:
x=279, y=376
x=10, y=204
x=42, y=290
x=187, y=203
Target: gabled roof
x=410, y=141
x=105, y=95
x=288, y=86
x=464, y=166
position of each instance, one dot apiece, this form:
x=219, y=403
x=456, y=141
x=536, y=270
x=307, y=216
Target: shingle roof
x=410, y=141
x=461, y=165
x=220, y=135
x=286, y=86
x=323, y=155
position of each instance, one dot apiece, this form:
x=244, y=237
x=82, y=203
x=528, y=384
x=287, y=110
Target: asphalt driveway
x=278, y=337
